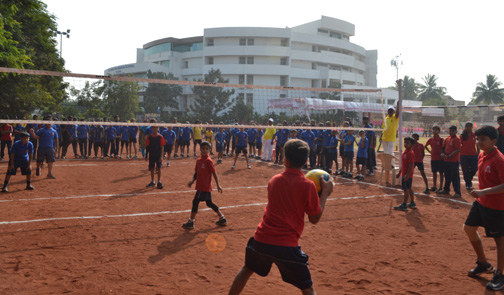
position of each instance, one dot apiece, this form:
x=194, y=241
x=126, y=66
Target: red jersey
x=490, y=174
x=205, y=169
x=468, y=147
x=408, y=157
x=8, y=135
x=290, y=196
x=436, y=144
x=418, y=149
x=155, y=144
x=450, y=145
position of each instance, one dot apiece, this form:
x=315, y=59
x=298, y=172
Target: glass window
x=250, y=42
x=210, y=42
x=284, y=42
x=283, y=80
x=165, y=63
x=241, y=79
x=250, y=79
x=242, y=60
x=250, y=99
x=283, y=61
x=197, y=46
x=210, y=60
x=250, y=60
x=158, y=48
x=242, y=41
x=241, y=96
x=186, y=64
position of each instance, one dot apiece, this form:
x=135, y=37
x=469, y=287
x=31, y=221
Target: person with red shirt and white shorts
x=276, y=239
x=488, y=208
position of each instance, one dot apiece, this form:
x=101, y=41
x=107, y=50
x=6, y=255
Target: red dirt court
x=96, y=229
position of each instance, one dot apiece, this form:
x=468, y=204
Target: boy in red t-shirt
x=203, y=176
x=488, y=208
x=437, y=163
x=451, y=157
x=419, y=151
x=276, y=239
x=468, y=154
x=406, y=172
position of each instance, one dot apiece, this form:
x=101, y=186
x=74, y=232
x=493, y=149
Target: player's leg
x=499, y=242
x=475, y=239
x=240, y=280
x=309, y=291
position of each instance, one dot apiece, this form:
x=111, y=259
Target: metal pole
x=61, y=44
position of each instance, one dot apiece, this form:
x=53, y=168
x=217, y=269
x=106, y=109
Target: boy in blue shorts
x=406, y=172
x=204, y=171
x=241, y=146
x=169, y=136
x=333, y=151
x=21, y=154
x=348, y=154
x=220, y=142
x=259, y=138
x=124, y=133
x=276, y=239
x=488, y=208
x=133, y=132
x=154, y=144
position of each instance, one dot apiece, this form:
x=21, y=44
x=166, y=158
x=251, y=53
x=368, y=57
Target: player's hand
x=327, y=186
x=11, y=166
x=406, y=178
x=219, y=189
x=190, y=183
x=477, y=193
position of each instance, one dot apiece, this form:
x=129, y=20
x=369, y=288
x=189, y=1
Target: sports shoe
x=37, y=172
x=442, y=192
x=249, y=167
x=159, y=185
x=188, y=155
x=195, y=155
x=402, y=207
x=151, y=184
x=497, y=282
x=433, y=189
x=175, y=156
x=457, y=196
x=481, y=267
x=222, y=221
x=426, y=191
x=232, y=167
x=50, y=176
x=370, y=174
x=167, y=164
x=188, y=225
x=181, y=155
x=4, y=189
x=135, y=157
x=412, y=205
x=30, y=187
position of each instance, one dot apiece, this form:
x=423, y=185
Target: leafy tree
x=90, y=98
x=242, y=111
x=434, y=101
x=410, y=88
x=430, y=90
x=161, y=95
x=10, y=55
x=121, y=98
x=489, y=92
x=210, y=101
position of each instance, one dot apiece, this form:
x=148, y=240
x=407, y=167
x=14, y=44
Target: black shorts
x=46, y=153
x=318, y=149
x=259, y=145
x=420, y=166
x=202, y=196
x=197, y=141
x=361, y=161
x=184, y=143
x=241, y=149
x=437, y=166
x=23, y=168
x=168, y=148
x=291, y=262
x=406, y=184
x=154, y=161
x=348, y=155
x=124, y=142
x=133, y=140
x=219, y=149
x=252, y=144
x=492, y=220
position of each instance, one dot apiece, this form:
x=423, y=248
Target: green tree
x=430, y=90
x=489, y=92
x=121, y=98
x=161, y=95
x=211, y=101
x=89, y=98
x=241, y=111
x=409, y=88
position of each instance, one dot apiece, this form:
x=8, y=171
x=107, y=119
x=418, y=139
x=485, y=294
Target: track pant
x=452, y=176
x=469, y=166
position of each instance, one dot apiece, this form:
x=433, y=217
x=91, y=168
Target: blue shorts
x=419, y=165
x=219, y=149
x=492, y=220
x=46, y=153
x=241, y=149
x=154, y=161
x=437, y=166
x=407, y=184
x=291, y=262
x=252, y=144
x=23, y=168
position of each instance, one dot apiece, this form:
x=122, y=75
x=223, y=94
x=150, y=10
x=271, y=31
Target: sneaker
x=361, y=178
x=426, y=191
x=181, y=155
x=481, y=267
x=135, y=157
x=195, y=155
x=497, y=282
x=188, y=225
x=159, y=185
x=412, y=205
x=4, y=189
x=175, y=156
x=189, y=156
x=370, y=174
x=442, y=192
x=232, y=167
x=402, y=207
x=457, y=196
x=37, y=172
x=151, y=184
x=50, y=176
x=433, y=189
x=249, y=167
x=168, y=164
x=30, y=187
x=222, y=221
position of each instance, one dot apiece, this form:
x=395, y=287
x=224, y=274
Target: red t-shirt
x=451, y=144
x=408, y=157
x=418, y=149
x=468, y=147
x=205, y=169
x=290, y=196
x=490, y=174
x=8, y=135
x=436, y=144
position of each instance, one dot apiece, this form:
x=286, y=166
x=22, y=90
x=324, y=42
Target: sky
x=458, y=41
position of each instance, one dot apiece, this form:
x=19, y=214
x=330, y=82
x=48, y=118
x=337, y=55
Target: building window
x=284, y=42
x=243, y=42
x=165, y=63
x=241, y=79
x=250, y=60
x=283, y=95
x=324, y=84
x=210, y=42
x=242, y=60
x=186, y=64
x=241, y=97
x=284, y=61
x=314, y=66
x=323, y=31
x=250, y=99
x=250, y=79
x=210, y=60
x=250, y=42
x=283, y=81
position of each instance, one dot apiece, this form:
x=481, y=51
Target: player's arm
x=11, y=161
x=327, y=188
x=147, y=147
x=195, y=176
x=498, y=189
x=410, y=168
x=219, y=188
x=30, y=157
x=34, y=135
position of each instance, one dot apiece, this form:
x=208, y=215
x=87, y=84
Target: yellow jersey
x=269, y=133
x=390, y=132
x=197, y=133
x=209, y=135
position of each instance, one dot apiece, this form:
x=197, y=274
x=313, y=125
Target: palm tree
x=430, y=90
x=410, y=88
x=488, y=93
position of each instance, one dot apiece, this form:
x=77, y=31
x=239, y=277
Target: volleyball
x=316, y=176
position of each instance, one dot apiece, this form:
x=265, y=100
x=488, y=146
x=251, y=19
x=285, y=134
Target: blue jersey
x=233, y=134
x=92, y=133
x=241, y=138
x=283, y=136
x=169, y=136
x=22, y=151
x=319, y=137
x=252, y=133
x=370, y=135
x=342, y=135
x=148, y=131
x=349, y=138
x=31, y=126
x=133, y=130
x=19, y=128
x=326, y=135
x=82, y=131
x=309, y=137
x=186, y=133
x=71, y=130
x=334, y=144
x=124, y=133
x=362, y=152
x=259, y=136
x=47, y=137
x=220, y=139
x=111, y=133
x=117, y=130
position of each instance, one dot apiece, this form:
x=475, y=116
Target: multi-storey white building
x=316, y=54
